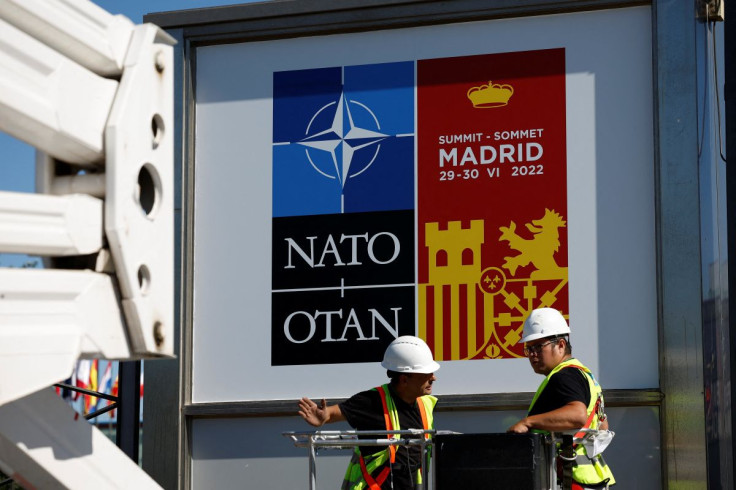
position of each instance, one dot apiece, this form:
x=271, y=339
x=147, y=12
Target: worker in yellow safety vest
x=568, y=399
x=403, y=403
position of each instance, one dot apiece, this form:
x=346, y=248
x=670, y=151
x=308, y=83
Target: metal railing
x=344, y=439
x=336, y=439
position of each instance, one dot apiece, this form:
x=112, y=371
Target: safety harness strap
x=593, y=412
x=373, y=484
x=589, y=422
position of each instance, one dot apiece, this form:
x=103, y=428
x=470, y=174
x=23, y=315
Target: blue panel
x=343, y=139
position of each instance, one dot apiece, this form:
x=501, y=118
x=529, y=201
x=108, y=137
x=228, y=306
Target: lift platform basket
x=492, y=461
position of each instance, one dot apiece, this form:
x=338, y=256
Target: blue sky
x=17, y=158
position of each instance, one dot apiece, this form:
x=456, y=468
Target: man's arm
x=319, y=415
x=568, y=417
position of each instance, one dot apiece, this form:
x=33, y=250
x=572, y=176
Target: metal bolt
x=158, y=334
x=160, y=61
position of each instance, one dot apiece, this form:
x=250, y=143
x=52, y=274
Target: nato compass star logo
x=343, y=140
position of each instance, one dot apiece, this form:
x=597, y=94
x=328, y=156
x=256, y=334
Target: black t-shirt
x=566, y=385
x=364, y=411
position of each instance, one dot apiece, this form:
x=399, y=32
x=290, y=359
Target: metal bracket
x=711, y=10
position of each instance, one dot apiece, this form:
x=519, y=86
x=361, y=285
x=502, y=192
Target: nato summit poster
x=423, y=198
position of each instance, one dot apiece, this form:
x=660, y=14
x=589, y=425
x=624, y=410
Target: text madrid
x=487, y=154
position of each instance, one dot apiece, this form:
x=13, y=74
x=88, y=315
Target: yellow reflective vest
x=371, y=471
x=585, y=470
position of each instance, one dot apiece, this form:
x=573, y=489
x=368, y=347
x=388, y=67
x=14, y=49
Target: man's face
x=419, y=384
x=544, y=354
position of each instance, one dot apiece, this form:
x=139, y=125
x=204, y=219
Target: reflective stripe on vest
x=423, y=413
x=382, y=459
x=388, y=417
x=594, y=470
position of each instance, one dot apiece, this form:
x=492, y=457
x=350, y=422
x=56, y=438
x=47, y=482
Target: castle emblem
x=470, y=312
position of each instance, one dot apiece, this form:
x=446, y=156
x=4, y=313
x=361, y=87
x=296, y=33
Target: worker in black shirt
x=568, y=399
x=404, y=403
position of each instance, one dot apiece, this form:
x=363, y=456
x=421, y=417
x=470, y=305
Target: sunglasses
x=536, y=349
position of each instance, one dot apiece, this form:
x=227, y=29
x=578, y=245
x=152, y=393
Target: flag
x=64, y=393
x=90, y=402
x=73, y=382
x=106, y=381
x=82, y=375
x=141, y=384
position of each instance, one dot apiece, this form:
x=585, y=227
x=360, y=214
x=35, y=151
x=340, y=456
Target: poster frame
x=676, y=194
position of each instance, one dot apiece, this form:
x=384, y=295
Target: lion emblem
x=539, y=250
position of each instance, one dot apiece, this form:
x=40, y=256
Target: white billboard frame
x=674, y=133
x=608, y=119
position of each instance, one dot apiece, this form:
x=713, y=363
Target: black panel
x=491, y=461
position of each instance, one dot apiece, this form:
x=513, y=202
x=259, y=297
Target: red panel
x=491, y=142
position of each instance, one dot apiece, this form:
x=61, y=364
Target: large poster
x=492, y=199
x=424, y=197
x=343, y=213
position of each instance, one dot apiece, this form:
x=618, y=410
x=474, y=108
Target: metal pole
x=552, y=462
x=129, y=412
x=729, y=57
x=312, y=465
x=334, y=440
x=425, y=462
x=434, y=465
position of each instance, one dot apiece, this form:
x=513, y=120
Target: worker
x=403, y=403
x=568, y=399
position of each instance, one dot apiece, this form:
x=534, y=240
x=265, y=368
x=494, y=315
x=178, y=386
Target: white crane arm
x=94, y=94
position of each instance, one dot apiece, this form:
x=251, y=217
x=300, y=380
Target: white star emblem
x=342, y=139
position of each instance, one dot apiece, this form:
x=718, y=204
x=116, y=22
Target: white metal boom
x=94, y=94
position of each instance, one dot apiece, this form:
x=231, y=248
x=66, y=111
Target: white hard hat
x=409, y=354
x=544, y=322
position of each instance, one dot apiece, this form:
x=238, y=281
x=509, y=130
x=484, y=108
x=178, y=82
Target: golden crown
x=491, y=95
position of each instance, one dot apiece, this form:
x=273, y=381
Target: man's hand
x=520, y=427
x=314, y=415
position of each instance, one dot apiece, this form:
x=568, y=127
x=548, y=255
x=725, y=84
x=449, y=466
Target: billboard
x=434, y=162
x=440, y=181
